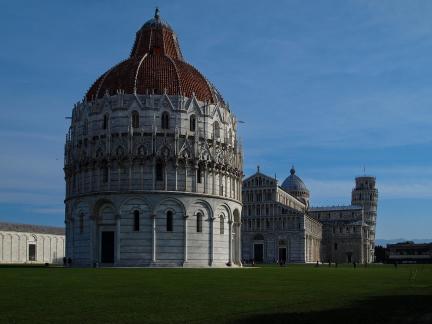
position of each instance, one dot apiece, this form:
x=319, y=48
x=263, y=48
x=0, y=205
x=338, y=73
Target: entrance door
x=258, y=253
x=107, y=247
x=282, y=254
x=32, y=252
x=349, y=255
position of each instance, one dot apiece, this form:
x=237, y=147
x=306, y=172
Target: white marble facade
x=31, y=244
x=115, y=171
x=279, y=225
x=153, y=164
x=276, y=227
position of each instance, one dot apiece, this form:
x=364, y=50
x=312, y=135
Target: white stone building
x=279, y=224
x=22, y=243
x=153, y=165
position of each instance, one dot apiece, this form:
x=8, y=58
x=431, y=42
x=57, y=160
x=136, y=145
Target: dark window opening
x=221, y=225
x=169, y=221
x=135, y=119
x=192, y=123
x=199, y=223
x=159, y=171
x=216, y=129
x=136, y=221
x=199, y=174
x=85, y=127
x=105, y=121
x=165, y=120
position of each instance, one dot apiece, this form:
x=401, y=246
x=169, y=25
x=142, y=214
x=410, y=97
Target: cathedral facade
x=153, y=166
x=280, y=226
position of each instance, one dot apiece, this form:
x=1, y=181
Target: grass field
x=294, y=294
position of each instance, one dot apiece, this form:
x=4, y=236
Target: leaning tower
x=365, y=194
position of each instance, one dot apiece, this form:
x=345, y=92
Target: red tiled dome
x=155, y=65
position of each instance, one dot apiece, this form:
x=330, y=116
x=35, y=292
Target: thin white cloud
x=339, y=192
x=47, y=210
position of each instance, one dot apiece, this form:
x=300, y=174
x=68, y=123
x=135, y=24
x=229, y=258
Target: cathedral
x=153, y=165
x=280, y=226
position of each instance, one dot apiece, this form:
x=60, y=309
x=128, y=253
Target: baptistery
x=153, y=165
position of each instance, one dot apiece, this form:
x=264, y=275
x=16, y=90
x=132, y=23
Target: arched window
x=216, y=129
x=192, y=123
x=221, y=225
x=135, y=119
x=105, y=121
x=136, y=221
x=165, y=120
x=81, y=223
x=169, y=221
x=199, y=222
x=159, y=171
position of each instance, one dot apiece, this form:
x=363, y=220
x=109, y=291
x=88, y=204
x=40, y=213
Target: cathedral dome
x=293, y=183
x=155, y=66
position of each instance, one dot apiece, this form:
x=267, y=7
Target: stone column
x=230, y=222
x=91, y=179
x=205, y=178
x=186, y=175
x=213, y=180
x=142, y=175
x=165, y=175
x=130, y=175
x=154, y=238
x=176, y=174
x=195, y=178
x=91, y=238
x=117, y=239
x=185, y=245
x=305, y=248
x=109, y=176
x=226, y=184
x=239, y=244
x=72, y=245
x=154, y=174
x=211, y=256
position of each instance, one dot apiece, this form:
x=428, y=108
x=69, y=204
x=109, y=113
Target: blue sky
x=328, y=86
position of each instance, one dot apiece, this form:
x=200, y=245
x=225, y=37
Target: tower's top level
x=365, y=182
x=155, y=66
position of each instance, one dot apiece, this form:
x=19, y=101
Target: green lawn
x=294, y=294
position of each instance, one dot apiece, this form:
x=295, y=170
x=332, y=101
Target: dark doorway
x=32, y=252
x=282, y=255
x=259, y=253
x=349, y=255
x=107, y=247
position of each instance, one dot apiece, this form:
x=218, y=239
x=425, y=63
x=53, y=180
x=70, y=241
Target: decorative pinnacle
x=156, y=15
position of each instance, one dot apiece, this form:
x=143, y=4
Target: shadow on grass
x=30, y=265
x=387, y=309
